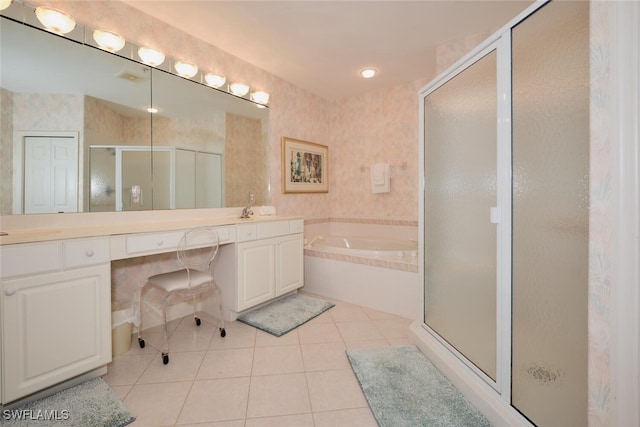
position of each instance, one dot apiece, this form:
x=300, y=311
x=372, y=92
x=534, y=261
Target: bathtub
x=378, y=273
x=367, y=247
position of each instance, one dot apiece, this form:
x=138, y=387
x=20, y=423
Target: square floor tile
x=216, y=400
x=126, y=370
x=361, y=417
x=226, y=363
x=324, y=356
x=238, y=335
x=265, y=339
x=359, y=331
x=330, y=390
x=310, y=333
x=182, y=366
x=274, y=395
x=277, y=360
x=196, y=339
x=156, y=404
x=302, y=420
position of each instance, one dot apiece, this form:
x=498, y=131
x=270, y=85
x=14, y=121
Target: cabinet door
x=289, y=271
x=55, y=327
x=256, y=273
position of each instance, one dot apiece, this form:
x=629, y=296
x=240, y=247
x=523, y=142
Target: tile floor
x=251, y=378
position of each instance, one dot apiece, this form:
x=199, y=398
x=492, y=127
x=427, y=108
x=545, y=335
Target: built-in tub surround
x=388, y=284
x=394, y=249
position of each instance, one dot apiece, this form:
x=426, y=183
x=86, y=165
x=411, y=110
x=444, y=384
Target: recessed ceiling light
x=367, y=73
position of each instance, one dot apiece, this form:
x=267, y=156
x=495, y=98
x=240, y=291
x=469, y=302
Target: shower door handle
x=494, y=215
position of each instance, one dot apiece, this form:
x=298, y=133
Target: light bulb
x=367, y=73
x=260, y=97
x=239, y=89
x=108, y=40
x=150, y=56
x=5, y=4
x=215, y=80
x=55, y=21
x=186, y=69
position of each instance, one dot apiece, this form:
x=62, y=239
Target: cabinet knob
x=89, y=253
x=9, y=291
x=159, y=243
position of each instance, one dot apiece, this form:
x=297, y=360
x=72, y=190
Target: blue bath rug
x=285, y=314
x=91, y=403
x=403, y=388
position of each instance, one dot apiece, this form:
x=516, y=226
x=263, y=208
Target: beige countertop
x=68, y=231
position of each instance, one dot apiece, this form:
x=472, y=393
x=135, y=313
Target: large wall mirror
x=76, y=134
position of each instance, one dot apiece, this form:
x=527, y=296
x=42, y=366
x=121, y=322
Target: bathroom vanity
x=56, y=287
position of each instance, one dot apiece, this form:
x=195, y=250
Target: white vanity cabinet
x=56, y=313
x=268, y=261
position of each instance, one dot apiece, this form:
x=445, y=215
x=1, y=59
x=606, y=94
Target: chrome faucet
x=246, y=212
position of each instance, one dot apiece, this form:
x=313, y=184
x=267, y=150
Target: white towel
x=267, y=210
x=380, y=180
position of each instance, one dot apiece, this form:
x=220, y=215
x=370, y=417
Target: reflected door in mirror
x=50, y=174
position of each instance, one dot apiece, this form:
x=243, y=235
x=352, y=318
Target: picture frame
x=305, y=166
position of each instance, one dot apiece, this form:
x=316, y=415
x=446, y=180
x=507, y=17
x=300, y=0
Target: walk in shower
x=504, y=213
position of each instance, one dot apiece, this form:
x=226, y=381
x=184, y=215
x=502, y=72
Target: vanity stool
x=196, y=251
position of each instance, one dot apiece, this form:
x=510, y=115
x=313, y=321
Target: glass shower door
x=460, y=161
x=550, y=56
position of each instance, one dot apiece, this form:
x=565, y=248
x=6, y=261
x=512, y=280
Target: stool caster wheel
x=223, y=333
x=141, y=342
x=165, y=358
x=198, y=322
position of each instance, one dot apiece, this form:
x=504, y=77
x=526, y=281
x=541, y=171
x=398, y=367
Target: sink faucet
x=246, y=212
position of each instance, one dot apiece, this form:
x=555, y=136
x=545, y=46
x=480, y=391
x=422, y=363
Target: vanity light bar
x=61, y=23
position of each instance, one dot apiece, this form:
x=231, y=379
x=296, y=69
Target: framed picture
x=305, y=167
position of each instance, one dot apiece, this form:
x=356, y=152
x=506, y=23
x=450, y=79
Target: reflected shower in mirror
x=202, y=148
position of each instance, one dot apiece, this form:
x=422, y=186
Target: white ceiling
x=322, y=45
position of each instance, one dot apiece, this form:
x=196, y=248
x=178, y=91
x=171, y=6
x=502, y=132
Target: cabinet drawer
x=296, y=226
x=20, y=260
x=156, y=242
x=79, y=253
x=247, y=232
x=225, y=234
x=273, y=229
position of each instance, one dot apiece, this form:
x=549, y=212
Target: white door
x=50, y=174
x=208, y=180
